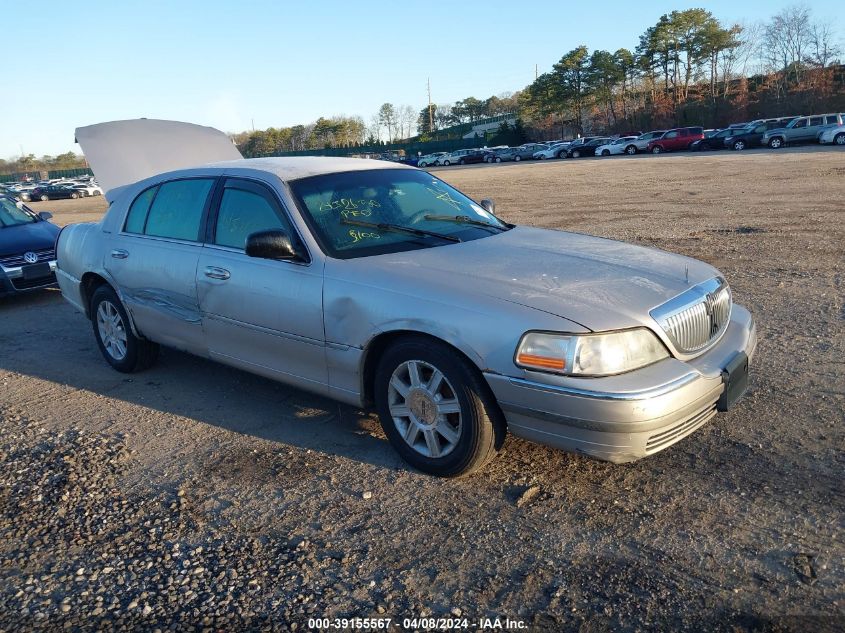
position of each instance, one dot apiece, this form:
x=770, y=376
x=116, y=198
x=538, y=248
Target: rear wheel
x=839, y=139
x=446, y=163
x=498, y=159
x=517, y=158
x=120, y=347
x=631, y=150
x=739, y=145
x=576, y=154
x=561, y=153
x=656, y=149
x=44, y=197
x=605, y=152
x=74, y=195
x=436, y=409
x=776, y=142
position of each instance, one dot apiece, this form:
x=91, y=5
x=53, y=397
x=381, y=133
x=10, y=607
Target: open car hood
x=123, y=152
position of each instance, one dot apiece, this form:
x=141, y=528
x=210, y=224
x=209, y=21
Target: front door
x=263, y=315
x=153, y=261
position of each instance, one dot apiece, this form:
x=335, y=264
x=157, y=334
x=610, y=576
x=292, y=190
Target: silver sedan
x=383, y=287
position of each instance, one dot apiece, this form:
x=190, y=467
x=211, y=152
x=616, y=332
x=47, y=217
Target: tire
x=631, y=150
x=543, y=157
x=656, y=149
x=605, y=152
x=498, y=159
x=446, y=163
x=119, y=346
x=461, y=162
x=44, y=197
x=776, y=142
x=517, y=158
x=839, y=139
x=739, y=145
x=96, y=193
x=74, y=195
x=470, y=431
x=561, y=153
x=576, y=154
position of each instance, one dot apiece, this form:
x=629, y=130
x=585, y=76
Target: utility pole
x=536, y=72
x=430, y=114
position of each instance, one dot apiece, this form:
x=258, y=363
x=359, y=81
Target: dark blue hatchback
x=27, y=248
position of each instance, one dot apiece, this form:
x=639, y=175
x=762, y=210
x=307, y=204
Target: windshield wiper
x=465, y=219
x=398, y=228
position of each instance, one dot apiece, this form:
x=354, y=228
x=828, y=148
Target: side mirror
x=489, y=206
x=272, y=244
x=45, y=215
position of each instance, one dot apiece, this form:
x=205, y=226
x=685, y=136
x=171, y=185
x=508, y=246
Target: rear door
x=259, y=314
x=153, y=260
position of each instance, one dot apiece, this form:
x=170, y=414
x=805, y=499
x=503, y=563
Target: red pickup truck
x=679, y=138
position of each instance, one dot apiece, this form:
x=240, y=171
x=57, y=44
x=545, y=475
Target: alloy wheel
x=424, y=408
x=112, y=330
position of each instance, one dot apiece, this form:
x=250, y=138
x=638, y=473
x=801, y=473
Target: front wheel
x=461, y=162
x=576, y=154
x=605, y=152
x=776, y=142
x=631, y=150
x=656, y=149
x=739, y=145
x=446, y=163
x=498, y=159
x=44, y=197
x=119, y=346
x=74, y=195
x=436, y=409
x=839, y=139
x=517, y=158
x=561, y=153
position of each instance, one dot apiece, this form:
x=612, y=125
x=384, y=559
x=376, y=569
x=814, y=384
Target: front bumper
x=14, y=280
x=626, y=417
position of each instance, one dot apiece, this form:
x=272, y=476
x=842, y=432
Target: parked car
x=454, y=158
x=835, y=135
x=515, y=154
x=576, y=143
x=588, y=148
x=527, y=150
x=617, y=146
x=453, y=325
x=680, y=138
x=640, y=144
x=476, y=156
x=27, y=254
x=752, y=134
x=804, y=129
x=54, y=192
x=714, y=140
x=430, y=159
x=552, y=151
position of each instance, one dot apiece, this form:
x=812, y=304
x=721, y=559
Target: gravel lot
x=194, y=495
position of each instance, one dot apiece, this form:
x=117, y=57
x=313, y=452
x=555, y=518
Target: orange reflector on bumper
x=541, y=361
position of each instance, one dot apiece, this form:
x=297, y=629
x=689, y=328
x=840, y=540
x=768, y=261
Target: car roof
x=296, y=167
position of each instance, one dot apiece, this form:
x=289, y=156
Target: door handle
x=119, y=253
x=216, y=273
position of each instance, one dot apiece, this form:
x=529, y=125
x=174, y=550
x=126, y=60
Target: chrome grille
x=696, y=318
x=13, y=261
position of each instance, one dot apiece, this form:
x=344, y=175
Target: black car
x=751, y=135
x=55, y=192
x=587, y=148
x=27, y=248
x=477, y=156
x=714, y=139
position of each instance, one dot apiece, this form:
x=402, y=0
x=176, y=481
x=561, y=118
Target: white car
x=619, y=146
x=835, y=135
x=430, y=159
x=89, y=189
x=553, y=151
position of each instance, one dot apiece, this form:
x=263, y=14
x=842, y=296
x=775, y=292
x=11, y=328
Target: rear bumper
x=71, y=290
x=627, y=417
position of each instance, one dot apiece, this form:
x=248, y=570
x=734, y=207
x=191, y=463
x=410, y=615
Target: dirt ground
x=737, y=527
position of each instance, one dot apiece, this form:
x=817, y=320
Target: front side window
x=800, y=123
x=176, y=211
x=671, y=135
x=243, y=212
x=345, y=209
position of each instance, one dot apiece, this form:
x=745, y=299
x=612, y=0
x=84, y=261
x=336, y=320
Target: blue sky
x=228, y=64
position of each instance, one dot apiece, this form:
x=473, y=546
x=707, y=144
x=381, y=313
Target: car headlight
x=589, y=354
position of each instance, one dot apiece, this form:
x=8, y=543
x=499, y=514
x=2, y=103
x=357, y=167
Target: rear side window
x=138, y=211
x=816, y=120
x=177, y=209
x=832, y=119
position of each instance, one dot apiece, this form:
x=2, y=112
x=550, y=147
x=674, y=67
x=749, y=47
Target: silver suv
x=804, y=129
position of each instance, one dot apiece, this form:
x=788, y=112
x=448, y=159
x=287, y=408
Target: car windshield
x=338, y=207
x=14, y=213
